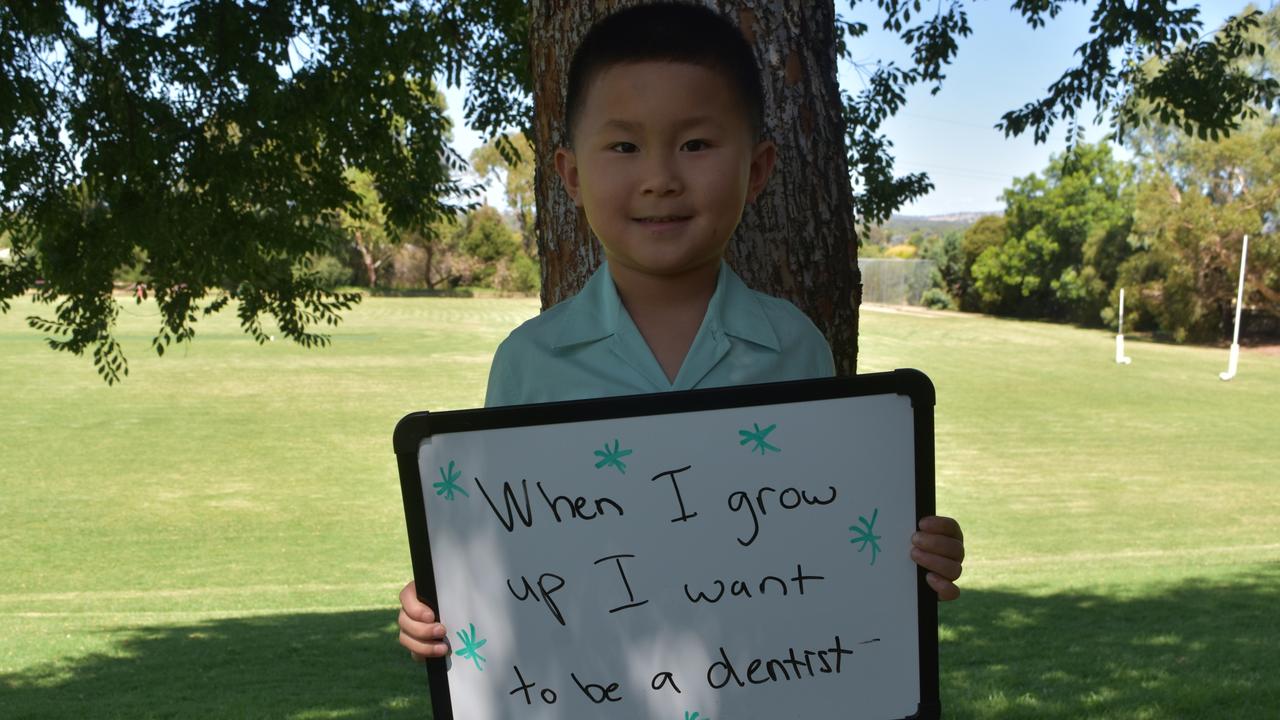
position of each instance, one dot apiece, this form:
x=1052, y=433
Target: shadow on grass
x=321, y=665
x=1198, y=649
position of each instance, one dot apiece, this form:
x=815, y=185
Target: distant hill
x=964, y=218
x=901, y=227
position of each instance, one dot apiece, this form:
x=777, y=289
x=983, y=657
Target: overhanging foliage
x=208, y=140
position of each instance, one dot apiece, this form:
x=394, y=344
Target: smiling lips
x=664, y=219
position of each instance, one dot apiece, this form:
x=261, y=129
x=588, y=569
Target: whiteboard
x=703, y=555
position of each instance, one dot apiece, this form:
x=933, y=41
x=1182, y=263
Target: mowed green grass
x=222, y=536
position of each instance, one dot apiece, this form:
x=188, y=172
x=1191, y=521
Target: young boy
x=664, y=118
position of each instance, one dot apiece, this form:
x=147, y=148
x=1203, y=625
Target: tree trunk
x=428, y=246
x=798, y=240
x=366, y=258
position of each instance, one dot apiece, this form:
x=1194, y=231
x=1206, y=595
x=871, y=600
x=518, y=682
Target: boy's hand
x=419, y=631
x=939, y=548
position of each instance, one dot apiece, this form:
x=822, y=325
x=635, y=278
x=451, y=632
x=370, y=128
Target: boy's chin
x=665, y=269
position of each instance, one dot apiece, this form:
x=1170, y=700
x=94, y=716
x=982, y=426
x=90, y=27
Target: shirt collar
x=592, y=314
x=734, y=309
x=739, y=311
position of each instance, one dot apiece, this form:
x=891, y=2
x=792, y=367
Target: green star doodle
x=449, y=484
x=471, y=646
x=694, y=716
x=866, y=535
x=758, y=438
x=612, y=457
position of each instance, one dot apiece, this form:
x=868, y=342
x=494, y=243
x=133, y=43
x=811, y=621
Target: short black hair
x=667, y=32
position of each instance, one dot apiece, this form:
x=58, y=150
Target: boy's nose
x=662, y=178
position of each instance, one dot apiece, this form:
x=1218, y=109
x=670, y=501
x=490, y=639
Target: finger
x=416, y=609
x=941, y=526
x=418, y=649
x=944, y=545
x=946, y=589
x=424, y=632
x=944, y=566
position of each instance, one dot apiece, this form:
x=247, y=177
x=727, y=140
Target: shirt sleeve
x=811, y=351
x=826, y=363
x=502, y=386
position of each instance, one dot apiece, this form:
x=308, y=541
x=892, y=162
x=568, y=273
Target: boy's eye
x=702, y=144
x=624, y=147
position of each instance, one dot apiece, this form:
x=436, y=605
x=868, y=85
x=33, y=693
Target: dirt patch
x=910, y=310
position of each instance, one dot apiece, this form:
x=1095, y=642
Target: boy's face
x=657, y=141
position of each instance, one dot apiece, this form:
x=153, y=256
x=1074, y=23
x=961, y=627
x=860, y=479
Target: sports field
x=221, y=535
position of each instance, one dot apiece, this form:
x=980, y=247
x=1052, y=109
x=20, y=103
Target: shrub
x=937, y=299
x=527, y=273
x=331, y=272
x=902, y=252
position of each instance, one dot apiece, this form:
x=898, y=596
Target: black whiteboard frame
x=416, y=427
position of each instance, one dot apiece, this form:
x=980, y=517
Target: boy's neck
x=667, y=309
x=662, y=294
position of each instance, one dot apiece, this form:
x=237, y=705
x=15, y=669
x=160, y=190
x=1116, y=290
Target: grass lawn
x=221, y=535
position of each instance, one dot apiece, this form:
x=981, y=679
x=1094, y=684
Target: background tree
x=516, y=178
x=213, y=137
x=1065, y=236
x=500, y=260
x=1190, y=221
x=438, y=243
x=366, y=224
x=370, y=227
x=946, y=251
x=989, y=231
x=209, y=139
x=1197, y=197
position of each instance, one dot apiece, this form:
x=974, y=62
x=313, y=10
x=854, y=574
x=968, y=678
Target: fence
x=895, y=282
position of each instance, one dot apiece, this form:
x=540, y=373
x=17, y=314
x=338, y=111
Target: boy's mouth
x=663, y=219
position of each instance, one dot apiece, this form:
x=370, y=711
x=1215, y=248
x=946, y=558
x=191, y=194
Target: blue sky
x=1001, y=66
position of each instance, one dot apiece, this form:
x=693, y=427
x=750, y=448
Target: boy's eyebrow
x=636, y=127
x=620, y=124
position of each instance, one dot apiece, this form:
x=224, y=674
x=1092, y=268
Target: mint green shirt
x=588, y=347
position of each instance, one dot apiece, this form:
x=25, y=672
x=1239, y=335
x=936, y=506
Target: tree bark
x=798, y=240
x=428, y=246
x=366, y=258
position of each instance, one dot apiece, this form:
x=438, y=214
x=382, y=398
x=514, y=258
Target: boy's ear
x=567, y=169
x=762, y=160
